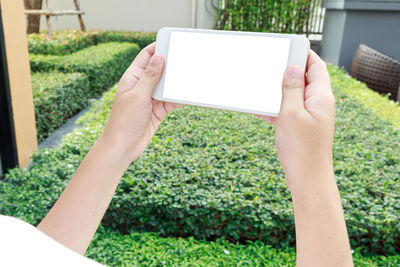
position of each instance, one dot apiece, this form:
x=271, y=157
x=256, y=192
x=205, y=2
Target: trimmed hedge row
x=384, y=107
x=211, y=173
x=69, y=41
x=143, y=39
x=103, y=64
x=57, y=97
x=62, y=42
x=149, y=249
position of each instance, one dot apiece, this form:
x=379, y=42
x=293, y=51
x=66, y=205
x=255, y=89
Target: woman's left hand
x=135, y=116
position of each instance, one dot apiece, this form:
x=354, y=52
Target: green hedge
x=143, y=39
x=69, y=41
x=57, y=97
x=380, y=104
x=287, y=16
x=103, y=64
x=212, y=174
x=149, y=249
x=62, y=42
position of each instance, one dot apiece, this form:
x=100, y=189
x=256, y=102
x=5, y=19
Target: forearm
x=321, y=235
x=75, y=217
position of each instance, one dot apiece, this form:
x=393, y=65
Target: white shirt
x=22, y=244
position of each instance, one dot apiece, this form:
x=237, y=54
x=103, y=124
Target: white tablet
x=237, y=71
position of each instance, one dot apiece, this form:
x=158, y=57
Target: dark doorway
x=8, y=149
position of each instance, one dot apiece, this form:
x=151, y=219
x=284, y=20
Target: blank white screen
x=226, y=70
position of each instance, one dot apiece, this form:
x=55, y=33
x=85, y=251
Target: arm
x=304, y=140
x=321, y=235
x=74, y=218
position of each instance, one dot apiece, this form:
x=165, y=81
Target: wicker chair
x=380, y=72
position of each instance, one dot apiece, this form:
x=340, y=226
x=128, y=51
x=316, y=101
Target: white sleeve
x=22, y=244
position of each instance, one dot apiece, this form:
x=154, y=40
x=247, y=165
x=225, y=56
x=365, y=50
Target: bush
x=57, y=97
x=103, y=64
x=149, y=249
x=143, y=39
x=62, y=42
x=285, y=16
x=69, y=41
x=29, y=194
x=212, y=174
x=380, y=104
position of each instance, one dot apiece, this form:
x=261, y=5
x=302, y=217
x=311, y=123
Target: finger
x=316, y=69
x=172, y=106
x=293, y=89
x=318, y=81
x=271, y=120
x=132, y=75
x=151, y=75
x=161, y=109
x=144, y=56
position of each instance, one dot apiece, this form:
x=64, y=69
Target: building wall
x=133, y=15
x=350, y=23
x=16, y=46
x=331, y=44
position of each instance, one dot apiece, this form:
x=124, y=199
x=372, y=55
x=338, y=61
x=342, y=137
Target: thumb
x=151, y=75
x=293, y=88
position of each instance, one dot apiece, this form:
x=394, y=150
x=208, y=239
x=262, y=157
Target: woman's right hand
x=304, y=140
x=305, y=126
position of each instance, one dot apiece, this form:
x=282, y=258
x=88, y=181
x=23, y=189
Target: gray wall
x=334, y=23
x=205, y=15
x=353, y=23
x=133, y=15
x=379, y=30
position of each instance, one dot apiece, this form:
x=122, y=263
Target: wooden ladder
x=48, y=13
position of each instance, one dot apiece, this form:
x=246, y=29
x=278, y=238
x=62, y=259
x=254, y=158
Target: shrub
x=57, y=97
x=103, y=64
x=149, y=249
x=380, y=104
x=29, y=194
x=295, y=16
x=69, y=41
x=212, y=174
x=62, y=42
x=141, y=38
